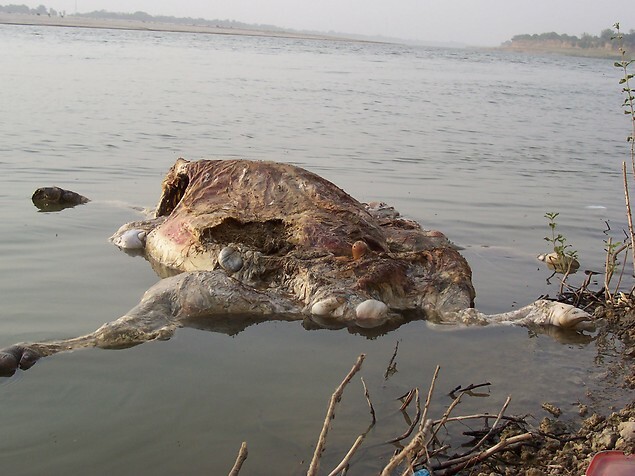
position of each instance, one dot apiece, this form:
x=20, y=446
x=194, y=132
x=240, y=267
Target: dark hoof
x=28, y=359
x=16, y=356
x=55, y=199
x=8, y=364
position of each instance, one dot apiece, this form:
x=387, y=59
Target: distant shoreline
x=71, y=21
x=600, y=53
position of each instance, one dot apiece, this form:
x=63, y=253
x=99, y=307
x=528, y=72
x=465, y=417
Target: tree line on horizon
x=39, y=10
x=138, y=16
x=605, y=40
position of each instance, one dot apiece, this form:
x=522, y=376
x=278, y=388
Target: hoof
x=8, y=364
x=566, y=316
x=16, y=356
x=371, y=313
x=329, y=307
x=28, y=359
x=131, y=240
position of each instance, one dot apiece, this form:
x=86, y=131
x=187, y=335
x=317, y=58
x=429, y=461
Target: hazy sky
x=474, y=22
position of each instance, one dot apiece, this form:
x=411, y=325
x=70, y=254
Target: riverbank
x=538, y=49
x=71, y=21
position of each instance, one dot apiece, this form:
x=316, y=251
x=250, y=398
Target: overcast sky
x=473, y=22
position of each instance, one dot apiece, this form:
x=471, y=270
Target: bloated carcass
x=250, y=241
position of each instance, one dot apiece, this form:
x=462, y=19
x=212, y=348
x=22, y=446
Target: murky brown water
x=477, y=144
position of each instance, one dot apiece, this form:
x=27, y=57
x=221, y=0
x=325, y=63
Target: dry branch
x=446, y=415
x=392, y=365
x=419, y=441
x=407, y=398
x=370, y=404
x=481, y=416
x=491, y=430
x=457, y=464
x=344, y=463
x=468, y=388
x=242, y=456
x=423, y=445
x=629, y=213
x=411, y=448
x=414, y=422
x=330, y=414
x=348, y=455
x=426, y=406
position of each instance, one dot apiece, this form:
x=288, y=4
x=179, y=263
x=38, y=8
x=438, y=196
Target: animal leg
x=540, y=313
x=164, y=307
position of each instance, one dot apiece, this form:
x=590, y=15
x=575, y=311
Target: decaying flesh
x=252, y=241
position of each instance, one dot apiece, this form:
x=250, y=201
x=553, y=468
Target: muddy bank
x=566, y=447
x=550, y=440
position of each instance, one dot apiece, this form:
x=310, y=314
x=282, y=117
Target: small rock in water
x=551, y=408
x=627, y=435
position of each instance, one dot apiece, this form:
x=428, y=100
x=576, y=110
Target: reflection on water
x=477, y=144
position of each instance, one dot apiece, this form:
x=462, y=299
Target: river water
x=479, y=144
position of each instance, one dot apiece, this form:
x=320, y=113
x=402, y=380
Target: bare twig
x=629, y=214
x=619, y=281
x=350, y=453
x=407, y=398
x=392, y=365
x=491, y=430
x=345, y=461
x=414, y=422
x=418, y=442
x=468, y=388
x=446, y=415
x=564, y=278
x=480, y=416
x=370, y=404
x=609, y=268
x=457, y=464
x=412, y=447
x=424, y=419
x=330, y=414
x=240, y=459
x=426, y=406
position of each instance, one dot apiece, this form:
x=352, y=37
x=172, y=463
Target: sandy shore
x=71, y=21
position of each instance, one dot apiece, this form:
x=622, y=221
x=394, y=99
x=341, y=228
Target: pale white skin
x=130, y=240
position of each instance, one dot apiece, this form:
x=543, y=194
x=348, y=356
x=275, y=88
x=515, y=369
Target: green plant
x=629, y=101
x=629, y=108
x=564, y=258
